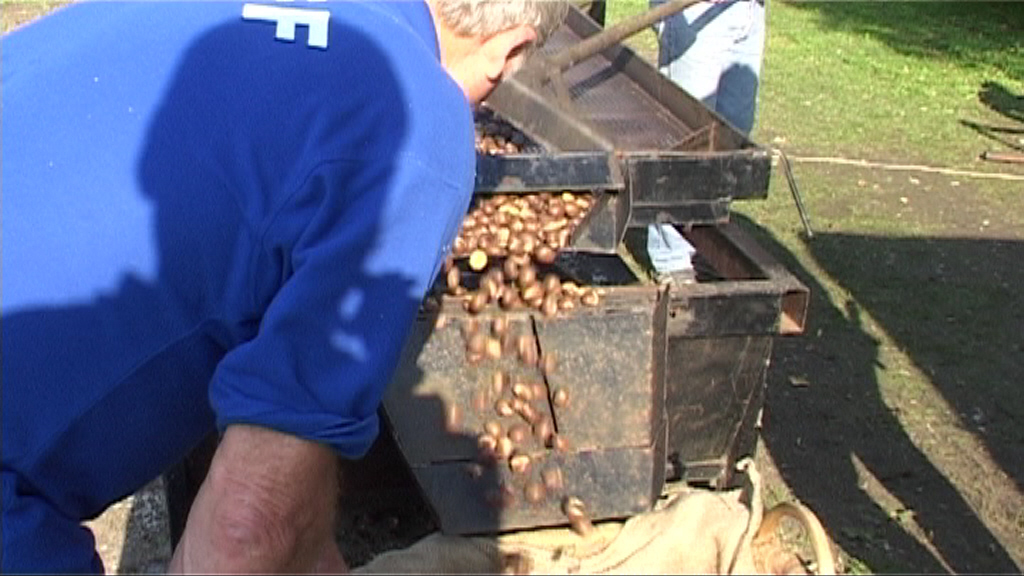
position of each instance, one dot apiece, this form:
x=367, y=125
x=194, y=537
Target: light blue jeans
x=713, y=50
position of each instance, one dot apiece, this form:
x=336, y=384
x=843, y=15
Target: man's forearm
x=267, y=505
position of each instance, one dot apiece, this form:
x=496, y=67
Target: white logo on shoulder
x=288, y=18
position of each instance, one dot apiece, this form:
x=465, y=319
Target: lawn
x=917, y=82
x=912, y=82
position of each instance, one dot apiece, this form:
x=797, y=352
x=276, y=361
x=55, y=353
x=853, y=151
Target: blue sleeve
x=354, y=168
x=332, y=334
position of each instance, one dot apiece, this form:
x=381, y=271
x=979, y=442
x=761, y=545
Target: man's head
x=483, y=41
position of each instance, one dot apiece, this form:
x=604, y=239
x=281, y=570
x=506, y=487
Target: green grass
x=644, y=43
x=889, y=81
x=886, y=81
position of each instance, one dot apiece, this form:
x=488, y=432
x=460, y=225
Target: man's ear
x=505, y=48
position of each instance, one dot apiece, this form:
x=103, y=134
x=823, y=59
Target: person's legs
x=740, y=81
x=691, y=45
x=713, y=51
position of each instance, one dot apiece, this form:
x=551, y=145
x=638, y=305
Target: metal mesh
x=614, y=103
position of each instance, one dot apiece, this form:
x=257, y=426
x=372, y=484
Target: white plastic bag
x=668, y=250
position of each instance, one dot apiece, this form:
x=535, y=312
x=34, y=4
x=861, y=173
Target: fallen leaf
x=799, y=381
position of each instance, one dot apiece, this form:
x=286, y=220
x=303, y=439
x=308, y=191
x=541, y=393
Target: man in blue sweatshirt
x=224, y=215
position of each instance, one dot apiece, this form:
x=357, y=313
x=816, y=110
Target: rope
x=747, y=466
x=906, y=167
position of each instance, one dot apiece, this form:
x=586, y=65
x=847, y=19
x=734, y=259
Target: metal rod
x=791, y=179
x=1010, y=157
x=610, y=36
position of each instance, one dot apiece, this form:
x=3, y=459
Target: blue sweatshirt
x=248, y=198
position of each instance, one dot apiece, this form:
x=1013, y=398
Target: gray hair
x=484, y=18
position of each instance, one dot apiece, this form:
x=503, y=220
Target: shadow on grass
x=967, y=33
x=1004, y=136
x=1002, y=100
x=948, y=304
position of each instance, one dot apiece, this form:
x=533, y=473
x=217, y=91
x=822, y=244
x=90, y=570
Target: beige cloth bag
x=692, y=531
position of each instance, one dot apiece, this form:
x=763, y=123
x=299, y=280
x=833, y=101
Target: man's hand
x=267, y=505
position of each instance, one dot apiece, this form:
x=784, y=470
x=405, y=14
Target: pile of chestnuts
x=495, y=136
